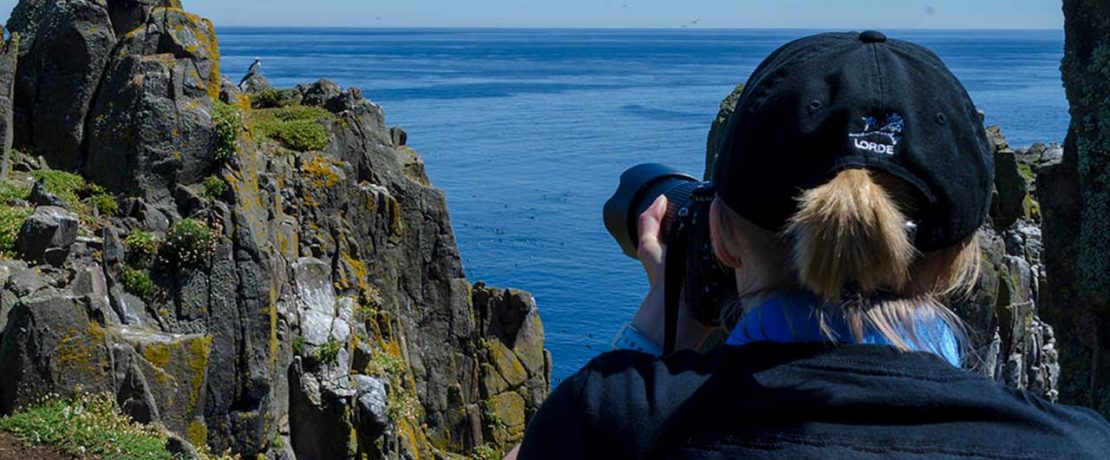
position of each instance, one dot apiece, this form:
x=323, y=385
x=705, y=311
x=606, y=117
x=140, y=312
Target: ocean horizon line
x=623, y=29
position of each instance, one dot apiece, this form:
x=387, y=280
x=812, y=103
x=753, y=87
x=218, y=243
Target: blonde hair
x=849, y=243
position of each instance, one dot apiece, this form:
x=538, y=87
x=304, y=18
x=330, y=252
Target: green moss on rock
x=298, y=127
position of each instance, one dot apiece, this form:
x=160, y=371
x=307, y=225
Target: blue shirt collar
x=790, y=317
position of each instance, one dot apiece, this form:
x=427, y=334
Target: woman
x=854, y=178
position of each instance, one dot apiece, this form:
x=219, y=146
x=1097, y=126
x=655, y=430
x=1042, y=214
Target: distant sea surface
x=528, y=130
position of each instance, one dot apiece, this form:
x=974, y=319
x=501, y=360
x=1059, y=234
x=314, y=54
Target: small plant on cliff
x=137, y=282
x=86, y=427
x=142, y=246
x=189, y=243
x=328, y=353
x=383, y=364
x=229, y=123
x=298, y=345
x=404, y=407
x=214, y=188
x=485, y=452
x=105, y=204
x=493, y=418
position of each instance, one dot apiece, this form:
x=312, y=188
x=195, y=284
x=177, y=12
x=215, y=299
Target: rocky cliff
x=1077, y=211
x=268, y=273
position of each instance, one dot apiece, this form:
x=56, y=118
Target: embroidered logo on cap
x=879, y=137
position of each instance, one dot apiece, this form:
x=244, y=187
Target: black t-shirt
x=767, y=400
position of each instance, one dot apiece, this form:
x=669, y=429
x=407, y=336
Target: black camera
x=691, y=268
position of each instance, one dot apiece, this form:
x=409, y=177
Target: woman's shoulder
x=617, y=372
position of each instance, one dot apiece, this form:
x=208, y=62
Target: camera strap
x=674, y=274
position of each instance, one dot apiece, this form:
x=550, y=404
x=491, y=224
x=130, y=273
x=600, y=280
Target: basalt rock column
x=1076, y=199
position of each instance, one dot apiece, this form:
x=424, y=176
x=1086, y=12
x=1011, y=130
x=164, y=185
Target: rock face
x=169, y=65
x=1010, y=343
x=49, y=227
x=719, y=127
x=280, y=280
x=1076, y=199
x=9, y=56
x=64, y=50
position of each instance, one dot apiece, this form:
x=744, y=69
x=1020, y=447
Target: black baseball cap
x=837, y=101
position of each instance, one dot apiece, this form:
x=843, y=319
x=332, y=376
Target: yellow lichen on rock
x=158, y=354
x=197, y=433
x=320, y=172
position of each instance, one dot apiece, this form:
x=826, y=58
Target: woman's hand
x=651, y=248
x=650, y=319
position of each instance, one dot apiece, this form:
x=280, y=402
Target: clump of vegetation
x=142, y=246
x=12, y=215
x=298, y=345
x=105, y=204
x=11, y=191
x=11, y=219
x=63, y=184
x=87, y=427
x=189, y=243
x=214, y=188
x=383, y=364
x=137, y=282
x=229, y=124
x=403, y=407
x=493, y=418
x=71, y=189
x=329, y=351
x=269, y=99
x=299, y=127
x=485, y=452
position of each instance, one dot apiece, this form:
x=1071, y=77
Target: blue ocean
x=528, y=130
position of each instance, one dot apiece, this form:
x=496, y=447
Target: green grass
x=229, y=124
x=14, y=190
x=87, y=426
x=70, y=188
x=137, y=282
x=105, y=204
x=63, y=184
x=189, y=243
x=299, y=127
x=11, y=219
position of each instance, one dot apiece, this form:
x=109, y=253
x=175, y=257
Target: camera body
x=691, y=262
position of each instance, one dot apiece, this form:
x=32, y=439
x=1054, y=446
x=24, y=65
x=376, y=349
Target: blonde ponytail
x=849, y=244
x=850, y=231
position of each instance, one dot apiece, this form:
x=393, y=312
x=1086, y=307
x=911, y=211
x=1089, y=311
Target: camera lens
x=638, y=189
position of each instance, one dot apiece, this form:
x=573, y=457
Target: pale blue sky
x=835, y=14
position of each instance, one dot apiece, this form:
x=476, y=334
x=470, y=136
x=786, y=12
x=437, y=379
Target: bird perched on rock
x=254, y=71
